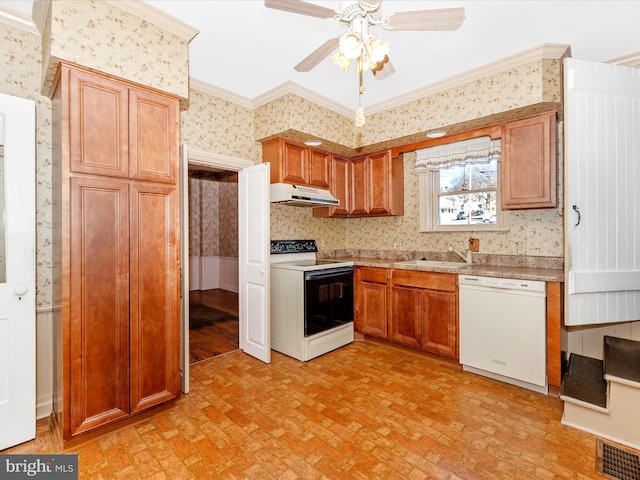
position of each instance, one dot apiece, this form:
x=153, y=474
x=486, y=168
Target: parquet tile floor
x=365, y=411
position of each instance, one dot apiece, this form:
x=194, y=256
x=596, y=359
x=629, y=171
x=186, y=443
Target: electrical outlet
x=474, y=244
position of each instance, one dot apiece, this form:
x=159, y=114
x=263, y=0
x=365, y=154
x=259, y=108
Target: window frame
x=428, y=200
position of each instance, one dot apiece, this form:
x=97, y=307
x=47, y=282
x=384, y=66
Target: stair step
x=584, y=380
x=622, y=358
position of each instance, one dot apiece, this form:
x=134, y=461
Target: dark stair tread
x=622, y=358
x=584, y=380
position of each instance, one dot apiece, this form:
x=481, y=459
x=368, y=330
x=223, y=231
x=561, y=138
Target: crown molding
x=631, y=60
x=218, y=92
x=544, y=51
x=40, y=13
x=157, y=17
x=293, y=88
x=17, y=20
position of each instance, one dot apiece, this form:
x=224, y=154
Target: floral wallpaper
x=213, y=214
x=534, y=82
x=215, y=125
x=228, y=215
x=291, y=112
x=101, y=36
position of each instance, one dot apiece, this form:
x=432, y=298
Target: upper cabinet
x=296, y=163
x=135, y=129
x=371, y=185
x=529, y=163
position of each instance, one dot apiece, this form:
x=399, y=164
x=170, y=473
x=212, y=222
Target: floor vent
x=616, y=463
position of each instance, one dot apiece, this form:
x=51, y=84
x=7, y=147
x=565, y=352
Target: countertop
x=487, y=270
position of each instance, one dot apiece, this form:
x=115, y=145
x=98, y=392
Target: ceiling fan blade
x=319, y=54
x=383, y=70
x=438, y=19
x=303, y=8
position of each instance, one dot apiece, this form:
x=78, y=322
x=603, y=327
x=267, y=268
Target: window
x=459, y=187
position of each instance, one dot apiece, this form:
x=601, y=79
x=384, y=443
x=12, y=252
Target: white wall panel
x=602, y=168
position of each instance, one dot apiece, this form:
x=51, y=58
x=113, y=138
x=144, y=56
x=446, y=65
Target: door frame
x=205, y=161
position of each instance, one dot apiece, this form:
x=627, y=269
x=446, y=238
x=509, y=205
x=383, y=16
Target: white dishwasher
x=503, y=330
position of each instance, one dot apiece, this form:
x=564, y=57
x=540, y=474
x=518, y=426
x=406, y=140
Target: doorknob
x=261, y=272
x=20, y=290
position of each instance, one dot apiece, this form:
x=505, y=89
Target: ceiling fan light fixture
x=351, y=45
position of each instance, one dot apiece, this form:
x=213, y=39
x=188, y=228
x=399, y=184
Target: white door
x=253, y=261
x=17, y=272
x=602, y=148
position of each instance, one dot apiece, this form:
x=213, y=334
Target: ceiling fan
x=356, y=42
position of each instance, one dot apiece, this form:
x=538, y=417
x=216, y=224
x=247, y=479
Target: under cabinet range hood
x=302, y=196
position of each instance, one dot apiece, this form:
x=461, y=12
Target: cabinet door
x=370, y=290
x=340, y=185
x=153, y=136
x=404, y=322
x=98, y=124
x=155, y=294
x=529, y=163
x=294, y=168
x=439, y=322
x=319, y=169
x=357, y=187
x=97, y=338
x=378, y=175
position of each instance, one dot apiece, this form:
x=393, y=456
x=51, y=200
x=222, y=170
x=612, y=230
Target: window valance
x=475, y=150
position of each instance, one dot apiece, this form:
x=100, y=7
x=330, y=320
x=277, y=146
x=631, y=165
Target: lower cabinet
x=424, y=312
x=415, y=308
x=370, y=300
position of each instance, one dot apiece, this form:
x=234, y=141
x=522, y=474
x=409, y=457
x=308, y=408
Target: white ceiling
x=248, y=49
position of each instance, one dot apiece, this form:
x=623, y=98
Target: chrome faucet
x=467, y=258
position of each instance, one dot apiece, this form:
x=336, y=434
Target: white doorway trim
x=206, y=161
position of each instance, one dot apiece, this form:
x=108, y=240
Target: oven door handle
x=329, y=272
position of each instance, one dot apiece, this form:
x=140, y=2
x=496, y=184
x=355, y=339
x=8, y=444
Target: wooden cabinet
x=370, y=300
x=404, y=323
x=377, y=185
x=424, y=311
x=116, y=249
x=529, y=163
x=415, y=308
x=371, y=185
x=296, y=163
x=340, y=189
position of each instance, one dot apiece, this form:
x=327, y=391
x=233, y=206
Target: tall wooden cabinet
x=116, y=249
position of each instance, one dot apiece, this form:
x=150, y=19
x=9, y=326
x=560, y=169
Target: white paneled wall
x=602, y=148
x=206, y=273
x=44, y=362
x=588, y=340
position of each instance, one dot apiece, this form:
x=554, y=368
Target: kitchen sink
x=433, y=264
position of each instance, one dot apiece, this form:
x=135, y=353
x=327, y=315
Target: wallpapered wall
x=213, y=216
x=216, y=125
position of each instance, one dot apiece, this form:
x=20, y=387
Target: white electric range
x=311, y=300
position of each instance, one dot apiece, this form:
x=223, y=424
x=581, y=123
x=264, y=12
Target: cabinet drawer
x=429, y=280
x=372, y=274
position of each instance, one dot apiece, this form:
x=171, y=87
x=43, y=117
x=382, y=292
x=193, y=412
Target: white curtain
x=476, y=150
